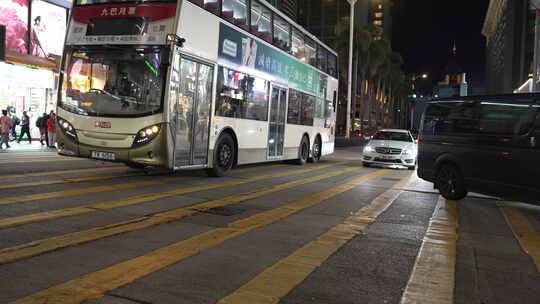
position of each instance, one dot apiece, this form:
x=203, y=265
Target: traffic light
x=2, y=42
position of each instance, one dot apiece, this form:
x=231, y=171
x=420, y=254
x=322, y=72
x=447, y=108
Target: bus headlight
x=67, y=129
x=146, y=135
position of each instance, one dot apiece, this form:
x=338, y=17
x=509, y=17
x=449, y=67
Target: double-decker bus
x=194, y=84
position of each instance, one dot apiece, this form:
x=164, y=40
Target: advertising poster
x=48, y=28
x=14, y=14
x=241, y=51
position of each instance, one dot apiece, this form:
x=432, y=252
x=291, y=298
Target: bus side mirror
x=178, y=41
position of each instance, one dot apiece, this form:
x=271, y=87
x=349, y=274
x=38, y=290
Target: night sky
x=424, y=32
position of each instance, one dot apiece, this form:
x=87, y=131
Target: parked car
x=484, y=144
x=391, y=148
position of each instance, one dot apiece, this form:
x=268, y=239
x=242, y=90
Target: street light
x=349, y=80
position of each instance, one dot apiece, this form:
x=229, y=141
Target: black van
x=485, y=144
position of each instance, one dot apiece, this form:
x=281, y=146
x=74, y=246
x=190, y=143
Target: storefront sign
x=14, y=15
x=241, y=51
x=122, y=24
x=48, y=28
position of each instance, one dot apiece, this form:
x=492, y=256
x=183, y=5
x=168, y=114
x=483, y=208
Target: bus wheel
x=135, y=165
x=224, y=154
x=316, y=151
x=303, y=151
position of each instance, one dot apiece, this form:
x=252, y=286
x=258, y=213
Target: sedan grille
x=384, y=150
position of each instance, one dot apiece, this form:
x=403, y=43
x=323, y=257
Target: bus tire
x=303, y=151
x=224, y=156
x=316, y=151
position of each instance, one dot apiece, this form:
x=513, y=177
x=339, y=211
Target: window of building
x=377, y=22
x=261, y=21
x=307, y=111
x=322, y=59
x=282, y=33
x=311, y=51
x=332, y=65
x=293, y=111
x=241, y=96
x=379, y=15
x=235, y=11
x=298, y=48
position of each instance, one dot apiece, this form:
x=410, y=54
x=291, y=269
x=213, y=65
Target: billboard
x=14, y=15
x=48, y=27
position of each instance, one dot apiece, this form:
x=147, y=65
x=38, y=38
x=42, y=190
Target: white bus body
x=133, y=93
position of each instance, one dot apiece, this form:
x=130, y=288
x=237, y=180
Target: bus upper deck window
x=235, y=11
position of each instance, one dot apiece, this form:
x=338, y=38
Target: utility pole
x=349, y=80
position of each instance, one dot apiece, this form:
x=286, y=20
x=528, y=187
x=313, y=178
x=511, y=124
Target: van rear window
x=485, y=117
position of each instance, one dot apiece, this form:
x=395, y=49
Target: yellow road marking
x=33, y=160
x=279, y=279
x=40, y=196
x=433, y=277
x=526, y=234
x=64, y=193
x=145, y=198
x=96, y=284
x=24, y=251
x=47, y=173
x=70, y=180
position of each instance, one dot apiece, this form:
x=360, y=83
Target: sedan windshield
x=117, y=82
x=397, y=136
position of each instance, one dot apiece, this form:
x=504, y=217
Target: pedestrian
x=15, y=121
x=41, y=124
x=25, y=127
x=51, y=130
x=5, y=128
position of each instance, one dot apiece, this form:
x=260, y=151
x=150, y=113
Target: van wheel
x=450, y=182
x=316, y=151
x=303, y=152
x=224, y=154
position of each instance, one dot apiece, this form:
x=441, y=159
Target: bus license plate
x=103, y=155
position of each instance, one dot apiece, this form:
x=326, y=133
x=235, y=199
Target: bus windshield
x=114, y=82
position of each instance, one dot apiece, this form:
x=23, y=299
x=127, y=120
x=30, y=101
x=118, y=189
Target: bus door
x=193, y=113
x=276, y=130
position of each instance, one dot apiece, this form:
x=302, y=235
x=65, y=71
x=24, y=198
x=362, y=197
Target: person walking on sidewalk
x=41, y=124
x=5, y=128
x=25, y=127
x=51, y=130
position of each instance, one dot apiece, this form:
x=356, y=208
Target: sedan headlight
x=146, y=135
x=409, y=152
x=368, y=149
x=67, y=129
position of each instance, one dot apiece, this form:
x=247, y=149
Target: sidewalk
x=24, y=146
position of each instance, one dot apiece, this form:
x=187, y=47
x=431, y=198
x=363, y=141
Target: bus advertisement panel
x=248, y=55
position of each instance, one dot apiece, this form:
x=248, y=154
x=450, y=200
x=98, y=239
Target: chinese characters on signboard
x=238, y=49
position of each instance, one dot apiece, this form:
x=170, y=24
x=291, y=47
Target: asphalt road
x=82, y=231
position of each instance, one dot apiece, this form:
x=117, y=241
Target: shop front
x=35, y=31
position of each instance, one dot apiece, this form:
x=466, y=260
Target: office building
x=509, y=32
